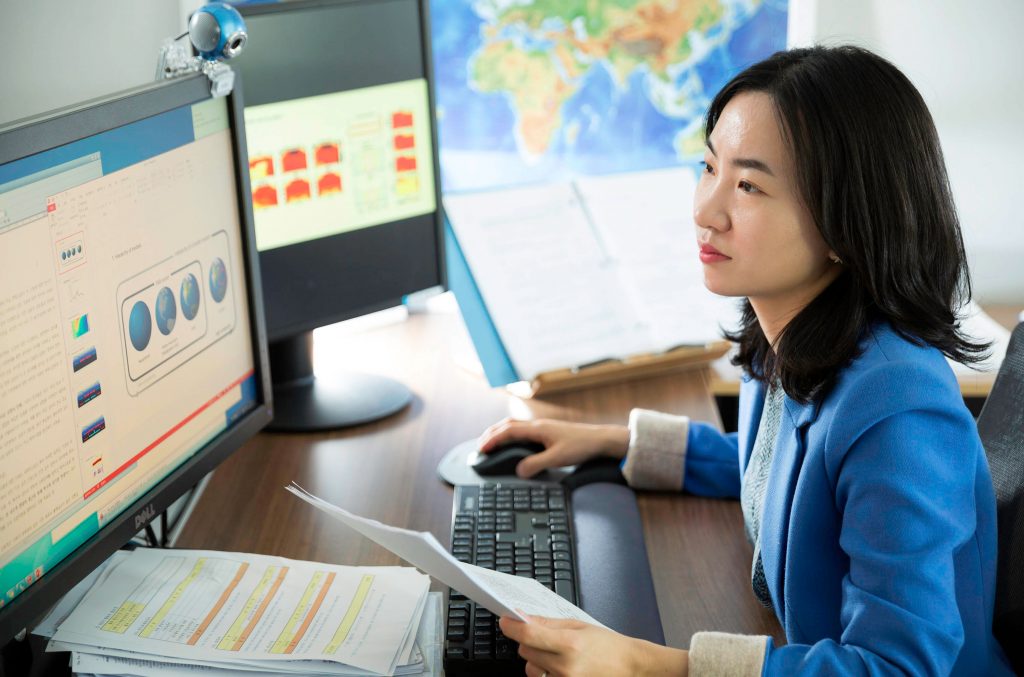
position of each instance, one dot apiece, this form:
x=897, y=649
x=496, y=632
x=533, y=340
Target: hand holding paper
x=499, y=593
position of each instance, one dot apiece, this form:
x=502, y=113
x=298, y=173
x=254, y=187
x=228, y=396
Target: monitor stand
x=306, y=403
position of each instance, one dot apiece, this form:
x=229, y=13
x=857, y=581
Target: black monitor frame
x=34, y=135
x=305, y=402
x=274, y=332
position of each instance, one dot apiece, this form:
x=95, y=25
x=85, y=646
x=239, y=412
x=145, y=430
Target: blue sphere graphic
x=218, y=280
x=140, y=326
x=166, y=311
x=189, y=297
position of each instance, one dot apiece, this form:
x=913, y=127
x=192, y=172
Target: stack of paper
x=156, y=613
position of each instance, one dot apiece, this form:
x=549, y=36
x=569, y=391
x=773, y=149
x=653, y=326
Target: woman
x=864, y=486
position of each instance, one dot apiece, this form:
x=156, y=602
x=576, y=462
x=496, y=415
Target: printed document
x=429, y=636
x=501, y=594
x=218, y=606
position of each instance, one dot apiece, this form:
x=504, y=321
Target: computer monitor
x=339, y=102
x=132, y=351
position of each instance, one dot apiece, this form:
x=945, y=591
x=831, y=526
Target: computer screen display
x=130, y=335
x=335, y=163
x=343, y=172
x=341, y=152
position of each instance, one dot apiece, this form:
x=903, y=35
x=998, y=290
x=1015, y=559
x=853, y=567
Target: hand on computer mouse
x=564, y=443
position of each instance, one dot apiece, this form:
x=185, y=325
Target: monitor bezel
x=293, y=329
x=50, y=130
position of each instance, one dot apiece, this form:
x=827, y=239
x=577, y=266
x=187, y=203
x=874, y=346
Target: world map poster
x=540, y=90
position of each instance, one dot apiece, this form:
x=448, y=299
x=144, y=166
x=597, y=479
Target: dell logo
x=145, y=516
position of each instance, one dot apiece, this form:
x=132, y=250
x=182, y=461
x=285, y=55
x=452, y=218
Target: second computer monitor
x=343, y=169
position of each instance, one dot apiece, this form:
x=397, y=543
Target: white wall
x=967, y=59
x=55, y=53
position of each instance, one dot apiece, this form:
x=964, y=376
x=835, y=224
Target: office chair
x=1001, y=426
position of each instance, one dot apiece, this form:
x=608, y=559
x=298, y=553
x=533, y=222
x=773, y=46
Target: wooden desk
x=386, y=470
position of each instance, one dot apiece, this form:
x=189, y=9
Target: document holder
x=497, y=364
x=615, y=582
x=637, y=366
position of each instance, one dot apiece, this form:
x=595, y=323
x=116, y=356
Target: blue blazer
x=878, y=536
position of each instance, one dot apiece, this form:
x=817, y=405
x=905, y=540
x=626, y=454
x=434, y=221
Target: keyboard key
x=565, y=590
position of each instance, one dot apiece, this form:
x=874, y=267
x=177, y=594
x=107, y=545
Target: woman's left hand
x=563, y=648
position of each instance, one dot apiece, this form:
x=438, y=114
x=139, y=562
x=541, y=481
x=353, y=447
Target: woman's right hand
x=564, y=443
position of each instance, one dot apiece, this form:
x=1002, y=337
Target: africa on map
x=540, y=90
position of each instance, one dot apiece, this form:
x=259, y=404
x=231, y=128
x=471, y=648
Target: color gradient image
x=401, y=119
x=264, y=196
x=293, y=160
x=93, y=429
x=80, y=326
x=408, y=184
x=328, y=184
x=218, y=280
x=166, y=311
x=83, y=359
x=327, y=153
x=261, y=167
x=296, y=190
x=140, y=326
x=189, y=297
x=89, y=394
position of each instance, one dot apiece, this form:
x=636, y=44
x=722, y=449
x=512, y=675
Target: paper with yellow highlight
x=219, y=606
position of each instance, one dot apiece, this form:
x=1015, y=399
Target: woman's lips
x=709, y=254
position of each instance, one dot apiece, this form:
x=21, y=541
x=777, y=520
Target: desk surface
x=386, y=470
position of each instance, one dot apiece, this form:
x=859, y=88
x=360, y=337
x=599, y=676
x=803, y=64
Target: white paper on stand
x=501, y=594
x=592, y=269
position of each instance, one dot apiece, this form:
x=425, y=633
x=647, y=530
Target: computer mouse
x=504, y=459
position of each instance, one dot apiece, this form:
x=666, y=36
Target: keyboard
x=520, y=529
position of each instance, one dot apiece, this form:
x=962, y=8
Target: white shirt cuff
x=721, y=654
x=657, y=450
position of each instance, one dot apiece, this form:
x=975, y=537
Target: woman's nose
x=709, y=207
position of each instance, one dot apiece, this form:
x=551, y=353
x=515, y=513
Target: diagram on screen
x=334, y=163
x=296, y=174
x=175, y=309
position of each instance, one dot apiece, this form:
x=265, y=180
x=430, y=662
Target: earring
x=834, y=258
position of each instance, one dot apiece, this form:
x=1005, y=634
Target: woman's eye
x=748, y=187
x=708, y=169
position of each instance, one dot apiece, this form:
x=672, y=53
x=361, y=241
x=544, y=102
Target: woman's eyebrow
x=752, y=163
x=746, y=163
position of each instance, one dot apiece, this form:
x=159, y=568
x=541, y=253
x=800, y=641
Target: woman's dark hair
x=870, y=170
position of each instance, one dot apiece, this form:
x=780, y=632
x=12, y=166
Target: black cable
x=151, y=539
